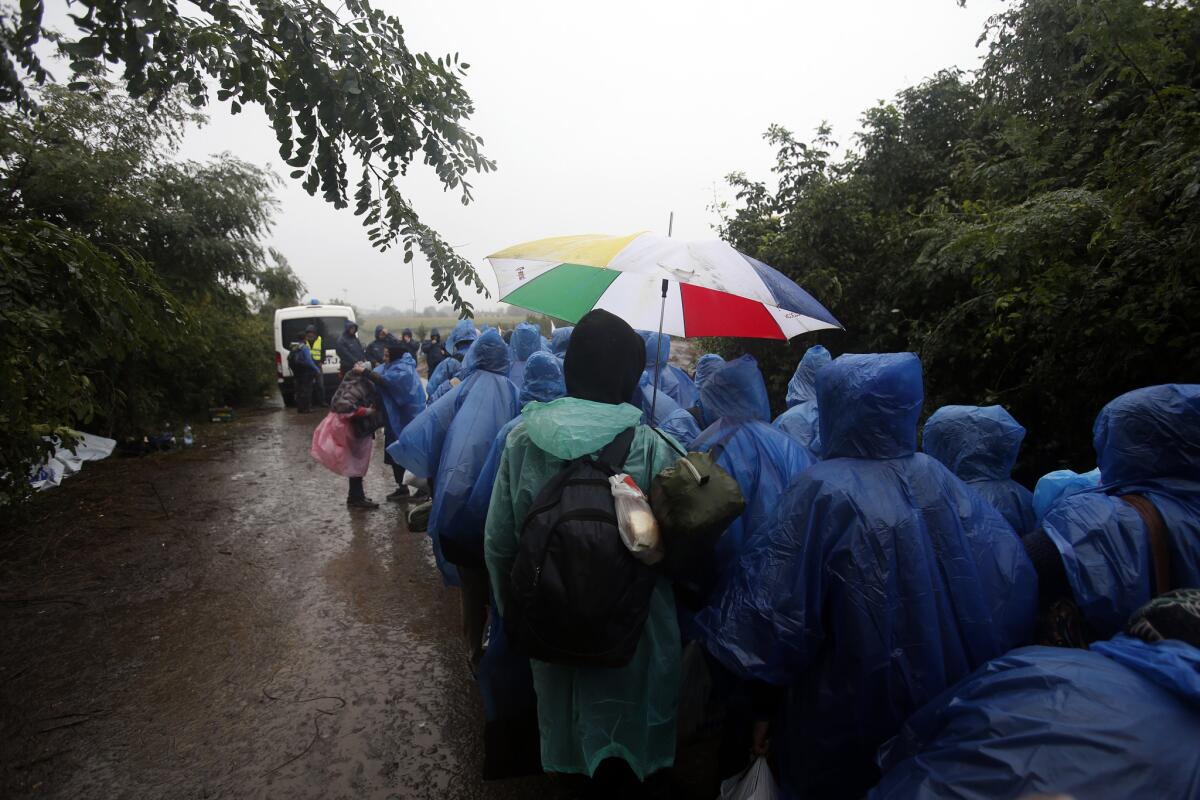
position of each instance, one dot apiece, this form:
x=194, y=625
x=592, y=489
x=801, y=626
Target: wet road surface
x=215, y=623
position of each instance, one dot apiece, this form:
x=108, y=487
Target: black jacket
x=349, y=350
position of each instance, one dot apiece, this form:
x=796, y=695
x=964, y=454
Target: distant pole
x=412, y=270
x=671, y=224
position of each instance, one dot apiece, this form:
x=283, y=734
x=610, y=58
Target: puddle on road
x=228, y=628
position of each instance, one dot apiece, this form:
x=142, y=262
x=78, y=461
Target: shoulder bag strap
x=1156, y=529
x=615, y=452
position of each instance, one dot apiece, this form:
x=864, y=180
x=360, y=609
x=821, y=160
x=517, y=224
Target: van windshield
x=329, y=328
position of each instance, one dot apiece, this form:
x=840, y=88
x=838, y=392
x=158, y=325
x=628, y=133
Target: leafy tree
x=130, y=281
x=347, y=99
x=1029, y=230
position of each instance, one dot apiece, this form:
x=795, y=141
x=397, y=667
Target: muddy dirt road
x=215, y=623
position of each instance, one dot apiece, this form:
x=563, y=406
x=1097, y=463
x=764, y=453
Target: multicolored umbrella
x=712, y=289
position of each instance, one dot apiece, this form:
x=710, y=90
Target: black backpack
x=576, y=596
x=296, y=361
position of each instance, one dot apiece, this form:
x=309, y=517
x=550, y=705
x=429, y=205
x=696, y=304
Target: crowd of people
x=891, y=615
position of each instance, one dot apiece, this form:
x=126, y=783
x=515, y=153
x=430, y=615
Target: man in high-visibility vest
x=314, y=345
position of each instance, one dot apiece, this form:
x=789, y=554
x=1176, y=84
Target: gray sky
x=606, y=117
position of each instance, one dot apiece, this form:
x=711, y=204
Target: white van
x=290, y=324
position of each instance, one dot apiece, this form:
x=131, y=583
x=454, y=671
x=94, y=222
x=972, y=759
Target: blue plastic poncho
x=442, y=373
x=1059, y=484
x=543, y=383
x=461, y=337
x=980, y=445
x=671, y=379
x=526, y=340
x=761, y=459
x=668, y=416
x=1147, y=442
x=560, y=339
x=1101, y=723
x=402, y=393
x=450, y=440
x=883, y=580
x=706, y=366
x=800, y=420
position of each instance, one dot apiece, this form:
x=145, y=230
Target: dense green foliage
x=1032, y=231
x=340, y=87
x=133, y=288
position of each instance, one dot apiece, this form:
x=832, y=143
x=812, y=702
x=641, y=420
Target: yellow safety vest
x=315, y=347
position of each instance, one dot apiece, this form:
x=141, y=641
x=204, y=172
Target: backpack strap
x=615, y=452
x=1156, y=531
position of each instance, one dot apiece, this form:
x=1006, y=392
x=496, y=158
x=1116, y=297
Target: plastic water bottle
x=188, y=439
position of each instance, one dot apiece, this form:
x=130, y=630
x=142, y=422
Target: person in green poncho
x=616, y=726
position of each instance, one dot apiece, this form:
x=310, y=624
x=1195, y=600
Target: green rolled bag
x=694, y=501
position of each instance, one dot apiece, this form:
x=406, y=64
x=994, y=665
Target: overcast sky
x=605, y=117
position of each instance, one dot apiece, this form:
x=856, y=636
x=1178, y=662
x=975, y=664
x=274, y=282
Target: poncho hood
x=975, y=443
x=869, y=405
x=705, y=367
x=488, y=353
x=1150, y=433
x=656, y=342
x=461, y=336
x=560, y=340
x=526, y=340
x=569, y=427
x=803, y=385
x=736, y=391
x=543, y=379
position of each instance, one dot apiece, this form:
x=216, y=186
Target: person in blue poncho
x=1109, y=550
x=883, y=580
x=448, y=443
x=461, y=338
x=526, y=340
x=736, y=415
x=1059, y=484
x=510, y=736
x=980, y=445
x=672, y=381
x=800, y=419
x=403, y=399
x=1110, y=722
x=559, y=341
x=443, y=374
x=706, y=365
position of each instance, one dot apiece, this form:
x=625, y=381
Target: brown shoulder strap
x=1160, y=552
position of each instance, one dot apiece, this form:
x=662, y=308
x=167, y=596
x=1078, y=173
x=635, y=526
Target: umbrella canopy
x=712, y=289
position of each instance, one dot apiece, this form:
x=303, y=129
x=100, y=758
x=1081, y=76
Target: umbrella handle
x=662, y=312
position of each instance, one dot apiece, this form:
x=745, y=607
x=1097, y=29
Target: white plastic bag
x=639, y=528
x=756, y=783
x=415, y=483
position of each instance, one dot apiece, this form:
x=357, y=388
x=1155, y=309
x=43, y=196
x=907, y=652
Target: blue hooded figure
x=1106, y=722
x=883, y=580
x=1147, y=444
x=510, y=706
x=800, y=419
x=450, y=440
x=668, y=416
x=705, y=367
x=736, y=415
x=402, y=393
x=980, y=445
x=526, y=340
x=559, y=341
x=1060, y=484
x=443, y=373
x=461, y=338
x=672, y=381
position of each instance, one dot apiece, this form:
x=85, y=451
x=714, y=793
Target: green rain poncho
x=589, y=714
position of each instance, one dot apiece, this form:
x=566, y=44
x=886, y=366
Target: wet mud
x=215, y=623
